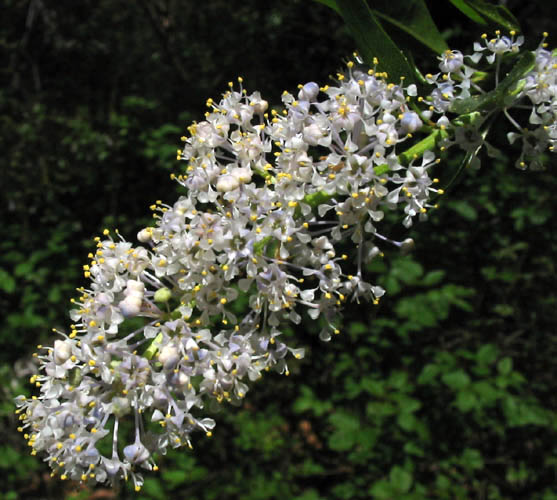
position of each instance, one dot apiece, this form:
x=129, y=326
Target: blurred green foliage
x=445, y=390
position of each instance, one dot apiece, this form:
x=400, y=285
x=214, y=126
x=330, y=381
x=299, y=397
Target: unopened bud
x=62, y=351
x=260, y=106
x=145, y=235
x=407, y=246
x=308, y=92
x=227, y=183
x=134, y=288
x=410, y=121
x=130, y=306
x=242, y=174
x=163, y=295
x=169, y=355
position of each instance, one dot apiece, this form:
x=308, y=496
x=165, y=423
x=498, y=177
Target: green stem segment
x=153, y=347
x=426, y=144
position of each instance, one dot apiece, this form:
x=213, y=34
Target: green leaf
x=175, y=477
x=487, y=354
x=412, y=17
x=497, y=14
x=308, y=495
x=505, y=366
x=456, y=380
x=399, y=380
x=373, y=41
x=429, y=373
x=433, y=278
x=413, y=449
x=466, y=401
x=468, y=11
x=486, y=392
x=407, y=422
x=464, y=209
x=347, y=430
x=7, y=283
x=407, y=270
x=374, y=387
x=472, y=459
x=382, y=490
x=330, y=3
x=400, y=479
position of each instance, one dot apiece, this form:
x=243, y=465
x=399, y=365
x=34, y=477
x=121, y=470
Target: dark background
x=447, y=390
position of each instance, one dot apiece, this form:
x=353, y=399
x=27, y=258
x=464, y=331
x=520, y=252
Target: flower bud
x=410, y=122
x=312, y=134
x=134, y=288
x=130, y=306
x=169, y=355
x=227, y=183
x=145, y=235
x=242, y=174
x=407, y=246
x=451, y=61
x=260, y=106
x=136, y=453
x=120, y=407
x=62, y=351
x=308, y=92
x=163, y=295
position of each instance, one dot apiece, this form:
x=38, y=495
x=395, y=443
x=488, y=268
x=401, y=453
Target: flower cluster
x=272, y=199
x=460, y=89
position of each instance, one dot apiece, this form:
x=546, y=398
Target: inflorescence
x=271, y=197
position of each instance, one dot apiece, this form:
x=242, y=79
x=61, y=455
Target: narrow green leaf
x=433, y=278
x=373, y=41
x=329, y=3
x=468, y=11
x=497, y=14
x=412, y=17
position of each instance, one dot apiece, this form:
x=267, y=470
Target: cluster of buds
x=272, y=200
